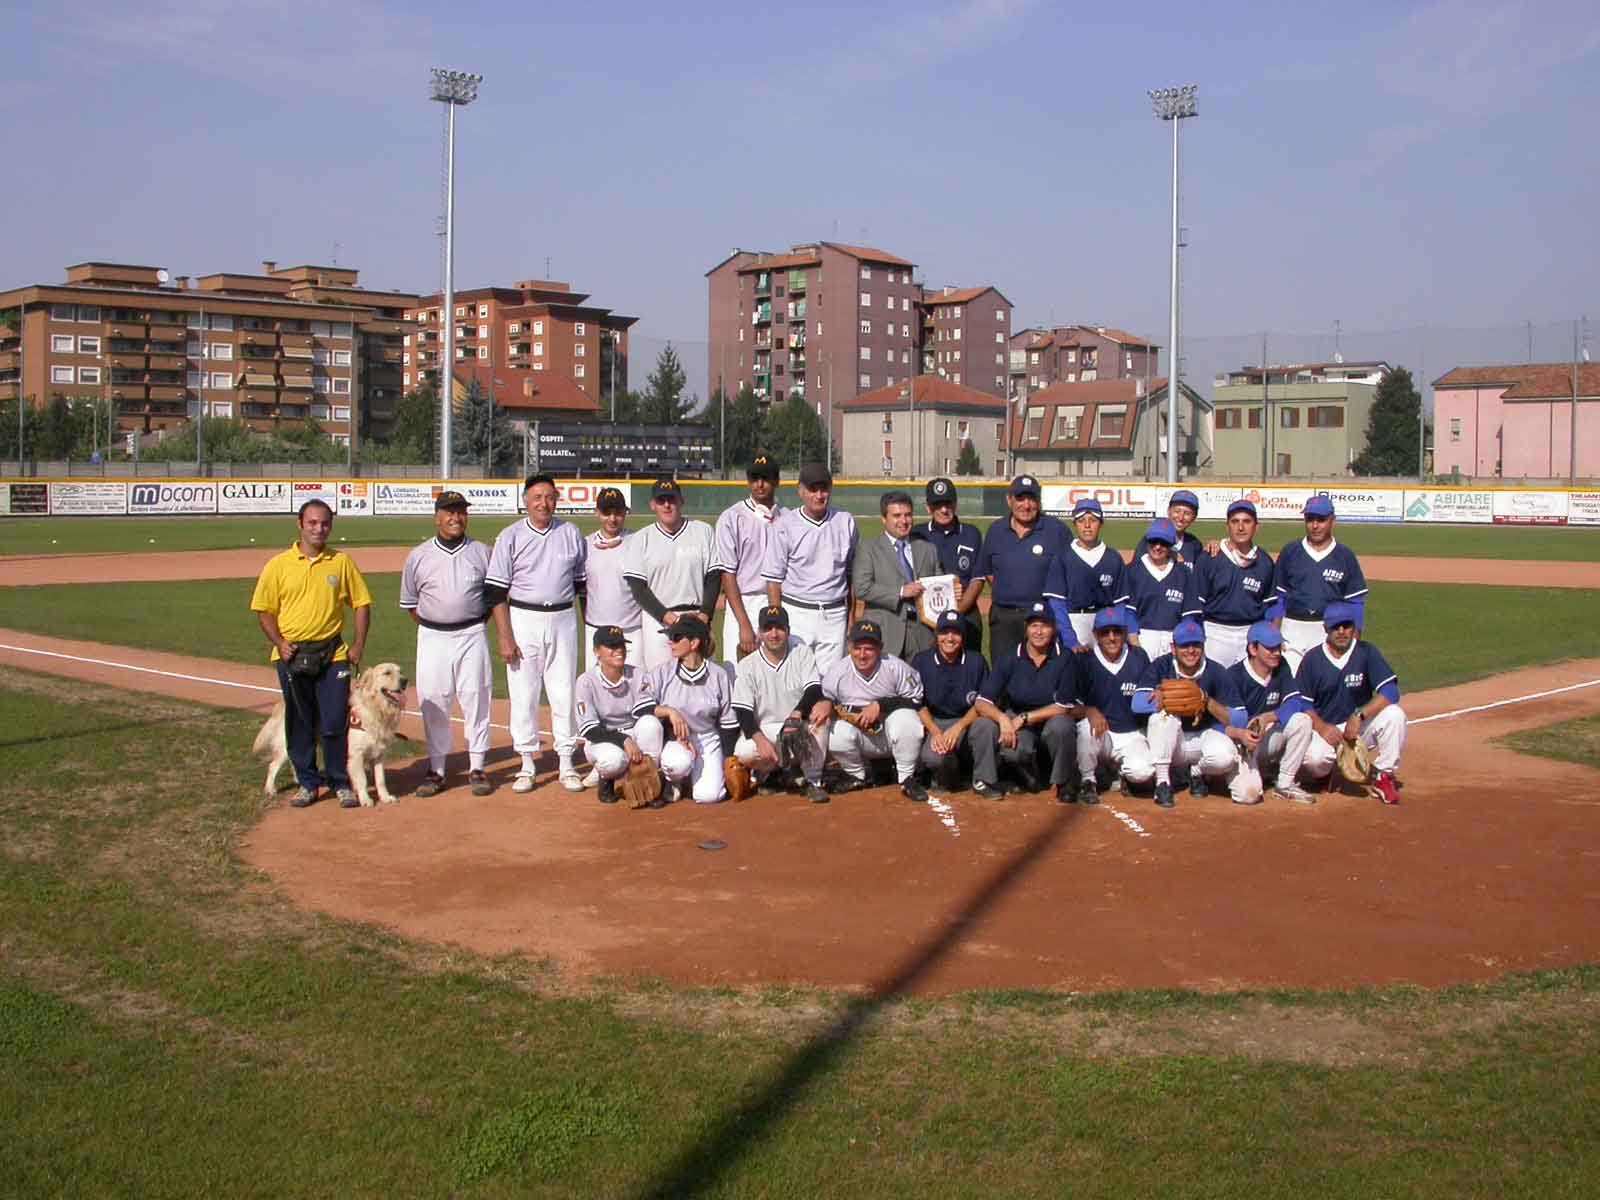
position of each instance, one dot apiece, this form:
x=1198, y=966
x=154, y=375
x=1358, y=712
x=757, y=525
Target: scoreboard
x=573, y=448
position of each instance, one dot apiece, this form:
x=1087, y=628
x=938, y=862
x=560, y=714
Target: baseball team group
x=1194, y=666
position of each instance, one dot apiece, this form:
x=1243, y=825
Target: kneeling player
x=608, y=696
x=951, y=675
x=774, y=687
x=882, y=697
x=1278, y=729
x=1103, y=684
x=1021, y=720
x=1202, y=744
x=693, y=696
x=1351, y=692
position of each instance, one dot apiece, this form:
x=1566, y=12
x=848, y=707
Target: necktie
x=904, y=552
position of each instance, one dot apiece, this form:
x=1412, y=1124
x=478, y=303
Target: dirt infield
x=1491, y=864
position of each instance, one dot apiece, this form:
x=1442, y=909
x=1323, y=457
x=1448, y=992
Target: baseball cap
x=687, y=627
x=866, y=631
x=1162, y=530
x=814, y=475
x=666, y=488
x=1265, y=633
x=1241, y=506
x=1188, y=633
x=774, y=616
x=949, y=619
x=1024, y=485
x=446, y=500
x=941, y=491
x=1185, y=496
x=1040, y=611
x=609, y=499
x=611, y=635
x=1319, y=506
x=1114, y=617
x=1340, y=612
x=1088, y=504
x=762, y=466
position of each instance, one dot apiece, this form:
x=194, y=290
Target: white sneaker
x=1294, y=794
x=570, y=779
x=669, y=791
x=523, y=782
x=592, y=779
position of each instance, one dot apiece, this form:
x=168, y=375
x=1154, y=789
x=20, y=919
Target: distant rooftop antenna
x=547, y=266
x=1338, y=330
x=336, y=254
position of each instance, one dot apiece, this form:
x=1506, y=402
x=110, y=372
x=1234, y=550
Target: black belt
x=1303, y=616
x=683, y=608
x=449, y=626
x=1010, y=607
x=524, y=604
x=817, y=606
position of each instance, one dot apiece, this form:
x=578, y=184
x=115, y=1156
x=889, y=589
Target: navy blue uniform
x=1187, y=551
x=1335, y=692
x=1279, y=694
x=1097, y=686
x=1161, y=603
x=1017, y=684
x=1308, y=585
x=1233, y=595
x=1213, y=680
x=1073, y=586
x=1019, y=565
x=957, y=544
x=949, y=689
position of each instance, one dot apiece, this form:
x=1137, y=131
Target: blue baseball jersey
x=1017, y=683
x=1019, y=564
x=1187, y=551
x=1235, y=593
x=949, y=688
x=1213, y=680
x=1277, y=693
x=1161, y=601
x=1110, y=687
x=1087, y=584
x=957, y=543
x=1334, y=690
x=1310, y=582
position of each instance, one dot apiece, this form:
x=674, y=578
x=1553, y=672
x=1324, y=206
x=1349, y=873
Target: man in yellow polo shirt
x=300, y=601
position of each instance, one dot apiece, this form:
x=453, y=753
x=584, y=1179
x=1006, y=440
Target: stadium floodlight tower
x=1174, y=104
x=453, y=89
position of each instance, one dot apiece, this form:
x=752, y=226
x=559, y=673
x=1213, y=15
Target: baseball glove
x=794, y=744
x=736, y=777
x=1183, y=698
x=641, y=785
x=1354, y=762
x=852, y=716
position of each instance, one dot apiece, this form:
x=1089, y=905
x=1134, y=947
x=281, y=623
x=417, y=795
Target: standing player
x=1351, y=692
x=886, y=579
x=1278, y=729
x=1182, y=509
x=608, y=695
x=1016, y=556
x=775, y=685
x=807, y=567
x=741, y=546
x=1087, y=577
x=1235, y=586
x=1161, y=592
x=1103, y=684
x=886, y=695
x=694, y=699
x=1206, y=744
x=442, y=587
x=538, y=565
x=607, y=600
x=670, y=569
x=1313, y=573
x=952, y=675
x=957, y=545
x=1021, y=718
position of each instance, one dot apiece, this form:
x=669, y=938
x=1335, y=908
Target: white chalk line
x=945, y=812
x=1461, y=712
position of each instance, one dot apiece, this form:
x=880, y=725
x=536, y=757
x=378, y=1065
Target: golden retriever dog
x=377, y=700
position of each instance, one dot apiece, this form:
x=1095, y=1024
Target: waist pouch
x=312, y=658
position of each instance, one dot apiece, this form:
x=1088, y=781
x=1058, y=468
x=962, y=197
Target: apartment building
x=1294, y=419
x=258, y=348
x=1517, y=421
x=1110, y=428
x=889, y=432
x=966, y=336
x=1044, y=357
x=536, y=325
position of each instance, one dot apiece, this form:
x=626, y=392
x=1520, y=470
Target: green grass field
x=171, y=1027
x=1576, y=741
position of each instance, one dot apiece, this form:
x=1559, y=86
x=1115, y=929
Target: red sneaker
x=1384, y=786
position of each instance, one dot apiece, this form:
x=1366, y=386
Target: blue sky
x=1389, y=166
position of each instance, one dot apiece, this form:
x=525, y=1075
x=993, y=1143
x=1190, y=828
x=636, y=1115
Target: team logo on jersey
x=971, y=696
x=1355, y=679
x=1332, y=575
x=1175, y=595
x=333, y=581
x=964, y=562
x=1105, y=581
x=1129, y=688
x=1272, y=699
x=1252, y=584
x=1038, y=549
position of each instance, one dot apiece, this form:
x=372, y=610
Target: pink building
x=1516, y=421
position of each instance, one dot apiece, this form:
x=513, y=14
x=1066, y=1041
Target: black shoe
x=432, y=784
x=913, y=790
x=816, y=794
x=1198, y=787
x=1164, y=796
x=1066, y=793
x=480, y=783
x=1088, y=793
x=1027, y=778
x=987, y=791
x=607, y=791
x=948, y=774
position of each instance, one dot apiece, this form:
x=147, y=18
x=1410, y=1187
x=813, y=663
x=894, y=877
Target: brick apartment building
x=538, y=326
x=966, y=336
x=274, y=349
x=1041, y=358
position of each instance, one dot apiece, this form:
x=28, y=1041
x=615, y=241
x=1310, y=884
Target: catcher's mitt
x=1183, y=698
x=852, y=716
x=641, y=786
x=794, y=744
x=736, y=776
x=1354, y=762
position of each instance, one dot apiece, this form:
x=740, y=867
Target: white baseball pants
x=1210, y=751
x=823, y=630
x=453, y=666
x=549, y=645
x=1227, y=643
x=1129, y=752
x=1385, y=736
x=1083, y=628
x=611, y=761
x=699, y=761
x=1283, y=744
x=1300, y=638
x=745, y=749
x=753, y=602
x=631, y=636
x=899, y=737
x=1156, y=642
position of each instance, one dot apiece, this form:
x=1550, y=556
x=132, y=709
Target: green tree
x=413, y=437
x=663, y=402
x=968, y=463
x=793, y=434
x=483, y=429
x=8, y=430
x=1392, y=441
x=743, y=424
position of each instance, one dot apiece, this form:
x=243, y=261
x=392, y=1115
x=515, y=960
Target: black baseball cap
x=609, y=499
x=611, y=635
x=950, y=619
x=774, y=616
x=814, y=475
x=1025, y=485
x=763, y=466
x=687, y=627
x=1040, y=611
x=666, y=488
x=446, y=500
x=866, y=631
x=941, y=491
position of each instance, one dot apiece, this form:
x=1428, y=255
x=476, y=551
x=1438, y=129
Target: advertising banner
x=318, y=489
x=1367, y=504
x=98, y=499
x=496, y=498
x=354, y=500
x=1277, y=503
x=404, y=499
x=27, y=499
x=1214, y=501
x=260, y=497
x=577, y=495
x=1583, y=508
x=1460, y=508
x=152, y=499
x=1126, y=500
x=1530, y=508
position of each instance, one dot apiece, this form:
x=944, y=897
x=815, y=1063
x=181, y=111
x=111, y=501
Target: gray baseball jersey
x=672, y=565
x=443, y=584
x=811, y=559
x=600, y=702
x=703, y=696
x=607, y=600
x=894, y=679
x=770, y=692
x=539, y=567
x=742, y=534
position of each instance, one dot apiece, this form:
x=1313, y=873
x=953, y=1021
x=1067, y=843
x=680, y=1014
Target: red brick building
x=1079, y=354
x=966, y=335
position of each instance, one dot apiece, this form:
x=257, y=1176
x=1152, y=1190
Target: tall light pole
x=1174, y=104
x=453, y=89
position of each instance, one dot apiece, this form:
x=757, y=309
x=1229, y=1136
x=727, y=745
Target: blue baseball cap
x=1162, y=530
x=1241, y=506
x=1319, y=506
x=1188, y=633
x=1111, y=618
x=1024, y=485
x=1088, y=505
x=1340, y=612
x=1040, y=612
x=949, y=619
x=1185, y=496
x=1265, y=633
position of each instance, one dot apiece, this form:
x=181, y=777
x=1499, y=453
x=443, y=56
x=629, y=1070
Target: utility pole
x=454, y=89
x=1174, y=104
x=1572, y=435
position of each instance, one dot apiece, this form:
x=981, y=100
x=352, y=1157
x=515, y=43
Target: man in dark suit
x=887, y=578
